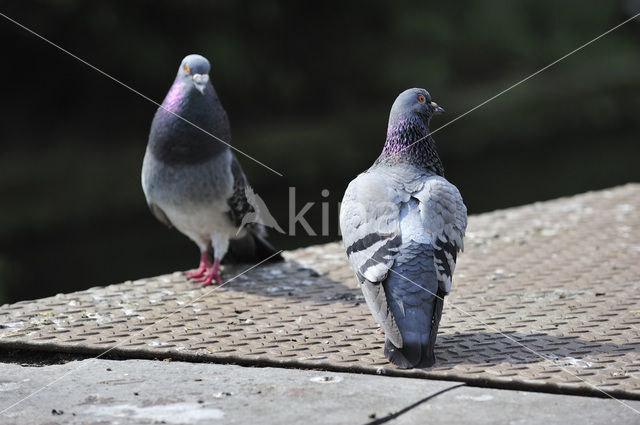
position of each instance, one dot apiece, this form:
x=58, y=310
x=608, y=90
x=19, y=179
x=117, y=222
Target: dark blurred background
x=308, y=87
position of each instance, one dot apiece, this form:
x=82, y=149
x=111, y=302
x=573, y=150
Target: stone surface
x=147, y=392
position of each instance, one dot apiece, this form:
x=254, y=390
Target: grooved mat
x=545, y=296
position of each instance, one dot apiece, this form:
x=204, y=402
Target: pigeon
x=403, y=224
x=193, y=182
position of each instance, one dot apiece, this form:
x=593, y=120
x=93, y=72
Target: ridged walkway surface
x=545, y=296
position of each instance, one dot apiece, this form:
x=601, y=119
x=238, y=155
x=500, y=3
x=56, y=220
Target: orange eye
x=421, y=98
x=186, y=68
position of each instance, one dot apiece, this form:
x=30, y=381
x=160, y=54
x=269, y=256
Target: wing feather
x=371, y=233
x=160, y=215
x=444, y=216
x=370, y=227
x=239, y=206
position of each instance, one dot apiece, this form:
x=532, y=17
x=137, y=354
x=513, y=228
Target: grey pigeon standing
x=402, y=223
x=193, y=182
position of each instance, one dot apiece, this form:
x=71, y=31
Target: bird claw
x=212, y=274
x=199, y=272
x=203, y=267
x=209, y=279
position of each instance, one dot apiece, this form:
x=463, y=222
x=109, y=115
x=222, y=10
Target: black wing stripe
x=449, y=247
x=442, y=248
x=382, y=254
x=238, y=204
x=366, y=242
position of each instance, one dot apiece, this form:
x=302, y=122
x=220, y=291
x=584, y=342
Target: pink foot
x=204, y=266
x=380, y=331
x=213, y=273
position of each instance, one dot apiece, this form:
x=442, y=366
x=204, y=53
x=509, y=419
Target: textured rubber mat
x=545, y=296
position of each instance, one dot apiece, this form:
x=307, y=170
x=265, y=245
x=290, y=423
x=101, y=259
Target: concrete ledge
x=142, y=391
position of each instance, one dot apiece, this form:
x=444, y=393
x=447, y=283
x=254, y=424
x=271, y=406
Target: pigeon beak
x=200, y=81
x=436, y=109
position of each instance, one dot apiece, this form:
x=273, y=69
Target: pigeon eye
x=186, y=68
x=421, y=98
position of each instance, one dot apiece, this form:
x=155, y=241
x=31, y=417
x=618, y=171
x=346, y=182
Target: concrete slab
x=479, y=406
x=147, y=392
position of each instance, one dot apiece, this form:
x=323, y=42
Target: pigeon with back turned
x=193, y=182
x=402, y=224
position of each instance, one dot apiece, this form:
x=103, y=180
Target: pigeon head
x=414, y=102
x=408, y=138
x=194, y=70
x=191, y=126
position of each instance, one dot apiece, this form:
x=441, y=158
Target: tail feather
x=251, y=248
x=417, y=349
x=412, y=354
x=415, y=300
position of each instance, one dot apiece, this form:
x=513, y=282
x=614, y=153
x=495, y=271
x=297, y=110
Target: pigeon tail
x=251, y=248
x=417, y=351
x=416, y=303
x=410, y=355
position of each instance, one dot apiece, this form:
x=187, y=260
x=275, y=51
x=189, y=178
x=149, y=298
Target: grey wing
x=239, y=205
x=444, y=217
x=369, y=222
x=159, y=214
x=148, y=175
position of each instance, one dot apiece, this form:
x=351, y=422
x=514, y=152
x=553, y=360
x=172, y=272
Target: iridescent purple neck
x=408, y=140
x=181, y=129
x=176, y=97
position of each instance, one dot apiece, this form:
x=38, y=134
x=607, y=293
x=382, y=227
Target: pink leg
x=204, y=266
x=213, y=273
